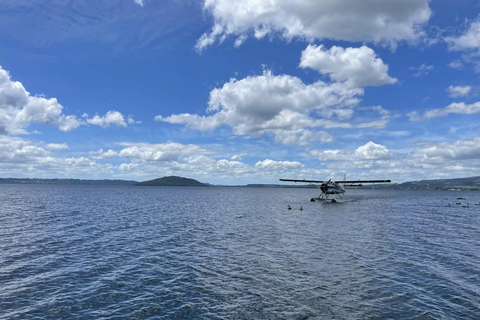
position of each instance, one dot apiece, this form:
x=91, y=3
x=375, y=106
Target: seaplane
x=332, y=191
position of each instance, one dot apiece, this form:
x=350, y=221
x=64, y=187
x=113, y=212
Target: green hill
x=173, y=181
x=472, y=183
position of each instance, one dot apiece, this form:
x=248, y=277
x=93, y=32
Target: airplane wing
x=303, y=180
x=341, y=182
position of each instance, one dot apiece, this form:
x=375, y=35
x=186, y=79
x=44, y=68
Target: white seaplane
x=335, y=189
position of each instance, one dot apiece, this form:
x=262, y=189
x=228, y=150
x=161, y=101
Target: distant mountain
x=173, y=181
x=471, y=183
x=65, y=181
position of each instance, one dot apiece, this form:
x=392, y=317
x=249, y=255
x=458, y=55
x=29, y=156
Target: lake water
x=92, y=252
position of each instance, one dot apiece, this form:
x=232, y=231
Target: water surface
x=119, y=252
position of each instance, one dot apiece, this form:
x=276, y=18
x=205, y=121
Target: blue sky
x=240, y=92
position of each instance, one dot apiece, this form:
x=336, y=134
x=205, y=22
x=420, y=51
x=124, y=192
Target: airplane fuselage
x=332, y=188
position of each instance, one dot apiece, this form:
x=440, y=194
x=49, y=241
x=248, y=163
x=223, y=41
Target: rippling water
x=91, y=252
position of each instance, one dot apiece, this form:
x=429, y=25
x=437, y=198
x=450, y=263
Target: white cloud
x=111, y=117
x=414, y=116
x=130, y=120
x=282, y=106
x=458, y=91
x=240, y=40
x=17, y=150
x=100, y=154
x=170, y=151
x=207, y=165
x=20, y=157
x=57, y=146
x=455, y=108
x=369, y=151
x=432, y=160
x=18, y=109
x=422, y=70
x=23, y=158
x=377, y=21
x=301, y=136
x=238, y=157
x=375, y=123
x=372, y=150
x=444, y=151
x=359, y=67
x=457, y=64
x=139, y=2
x=469, y=40
x=272, y=165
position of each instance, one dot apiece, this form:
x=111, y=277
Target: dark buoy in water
x=301, y=208
x=312, y=200
x=289, y=208
x=333, y=200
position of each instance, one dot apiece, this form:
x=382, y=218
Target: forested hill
x=472, y=183
x=173, y=181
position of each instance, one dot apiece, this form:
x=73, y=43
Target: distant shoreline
x=459, y=184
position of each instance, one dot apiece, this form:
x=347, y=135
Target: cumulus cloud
x=111, y=117
x=198, y=166
x=455, y=108
x=100, y=154
x=376, y=21
x=170, y=151
x=282, y=106
x=457, y=150
x=359, y=67
x=209, y=165
x=272, y=165
x=369, y=151
x=17, y=150
x=458, y=91
x=19, y=109
x=139, y=2
x=19, y=157
x=428, y=160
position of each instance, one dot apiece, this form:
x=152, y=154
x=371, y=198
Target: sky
x=235, y=92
